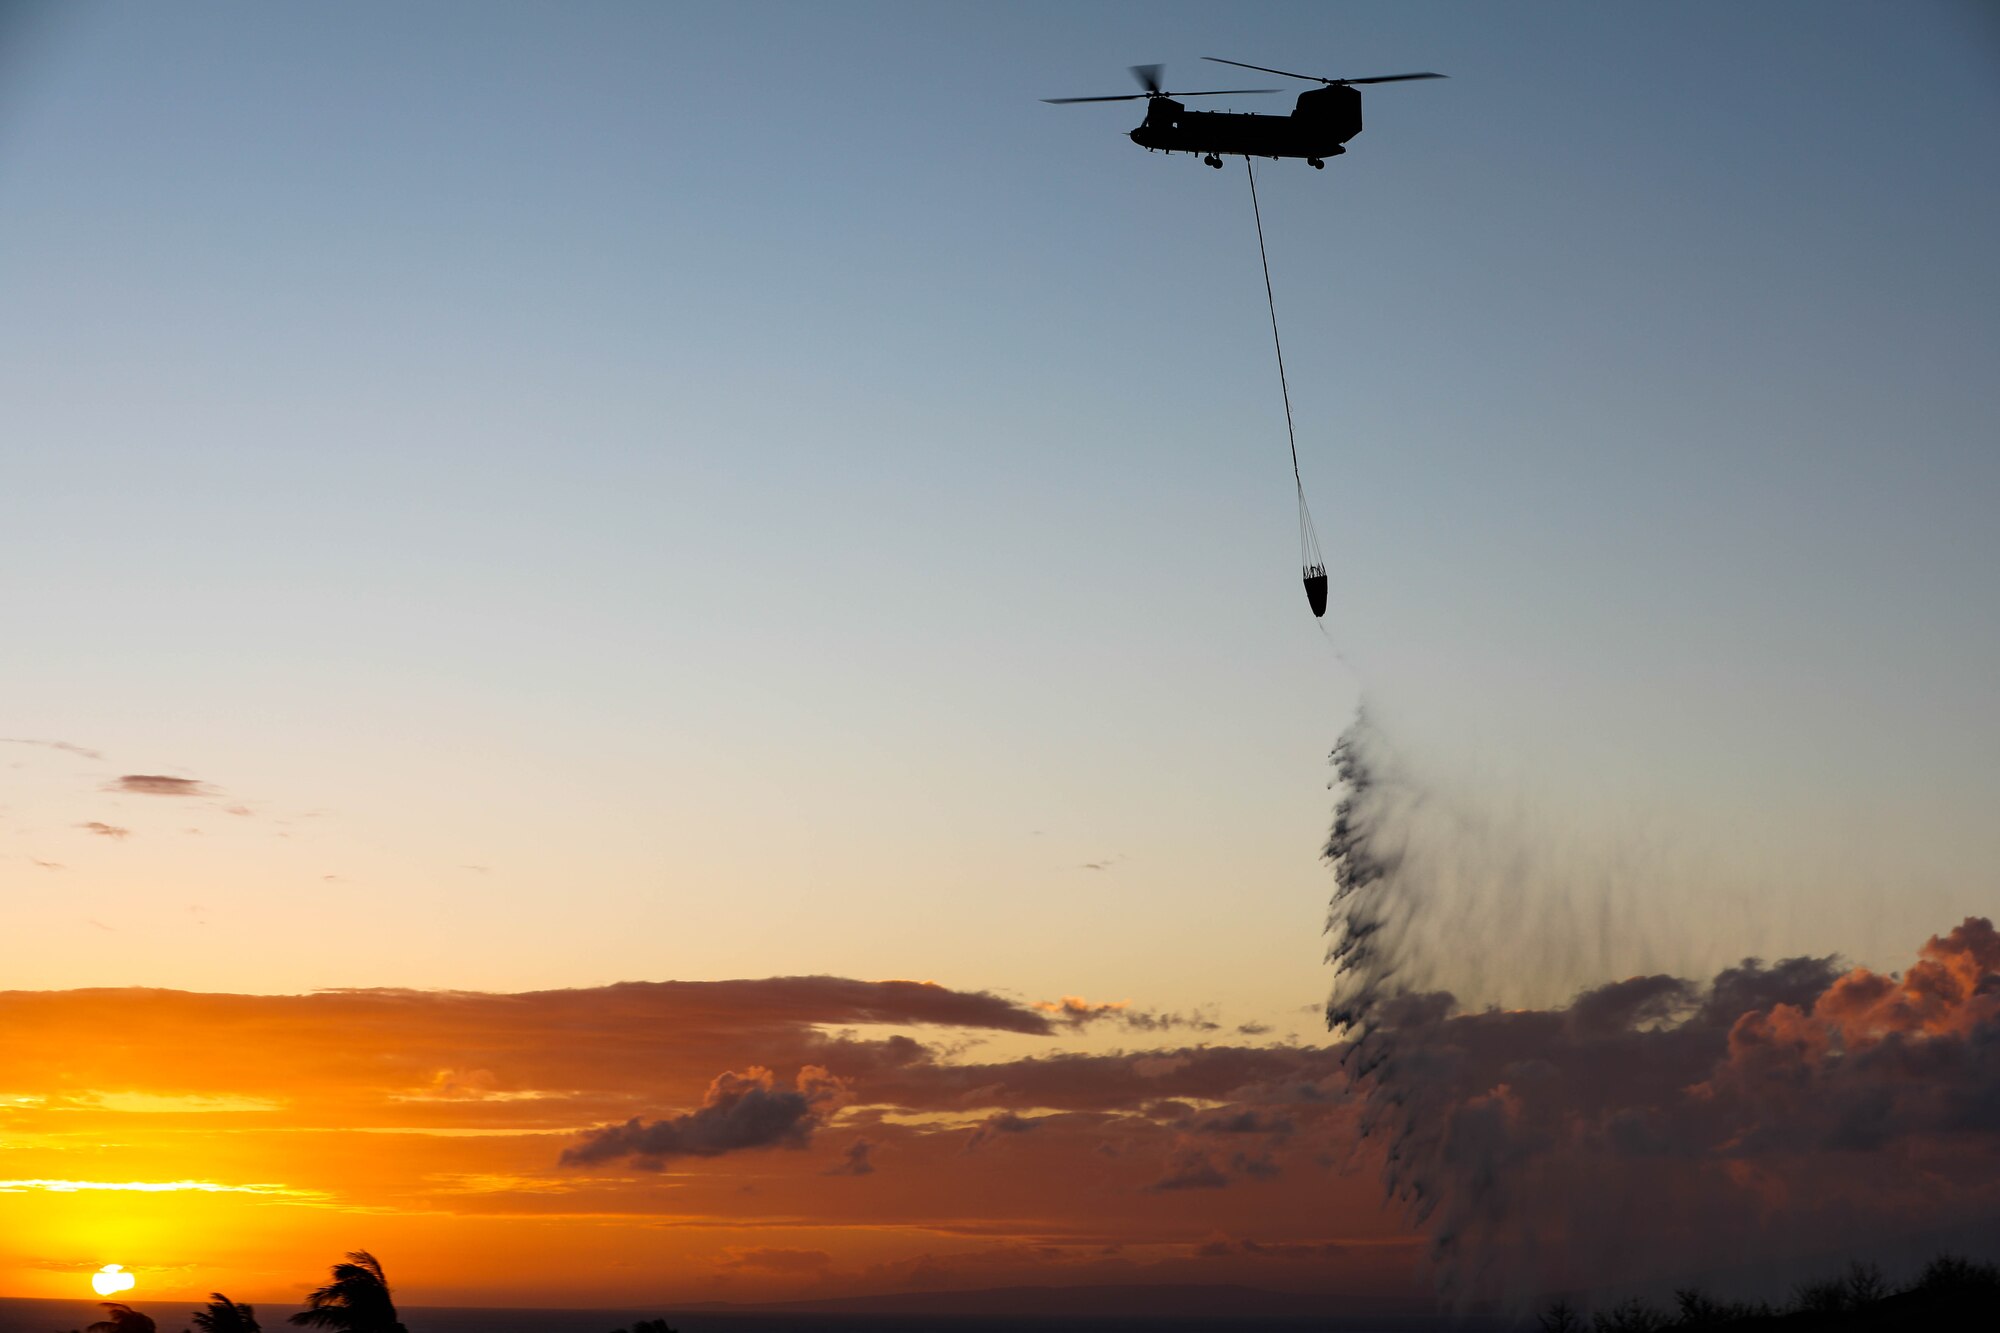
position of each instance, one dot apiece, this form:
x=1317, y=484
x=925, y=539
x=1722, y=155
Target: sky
x=508, y=499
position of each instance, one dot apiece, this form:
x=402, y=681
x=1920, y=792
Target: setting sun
x=112, y=1279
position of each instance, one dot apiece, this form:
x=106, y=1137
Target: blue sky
x=757, y=478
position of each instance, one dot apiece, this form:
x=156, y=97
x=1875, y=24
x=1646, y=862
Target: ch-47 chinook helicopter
x=1321, y=123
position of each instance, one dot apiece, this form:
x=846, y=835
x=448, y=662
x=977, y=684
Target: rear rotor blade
x=1221, y=92
x=1266, y=69
x=1393, y=78
x=1314, y=78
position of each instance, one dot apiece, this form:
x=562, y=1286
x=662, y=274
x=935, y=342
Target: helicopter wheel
x=1213, y=161
x=1315, y=164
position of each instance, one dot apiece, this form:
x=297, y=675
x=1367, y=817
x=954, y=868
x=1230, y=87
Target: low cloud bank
x=1658, y=1125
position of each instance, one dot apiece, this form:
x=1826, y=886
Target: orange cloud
x=1798, y=1105
x=377, y=1109
x=778, y=1261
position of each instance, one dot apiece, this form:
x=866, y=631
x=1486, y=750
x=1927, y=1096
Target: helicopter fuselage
x=1320, y=125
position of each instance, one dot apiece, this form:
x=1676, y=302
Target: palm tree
x=356, y=1301
x=121, y=1318
x=225, y=1316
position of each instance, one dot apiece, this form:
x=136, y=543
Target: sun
x=112, y=1279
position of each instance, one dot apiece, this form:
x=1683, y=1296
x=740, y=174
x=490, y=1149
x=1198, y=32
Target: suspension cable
x=1309, y=552
x=1272, y=301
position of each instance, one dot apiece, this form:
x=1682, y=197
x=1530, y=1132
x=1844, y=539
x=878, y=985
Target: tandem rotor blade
x=1148, y=76
x=1315, y=78
x=1394, y=78
x=1266, y=69
x=1122, y=97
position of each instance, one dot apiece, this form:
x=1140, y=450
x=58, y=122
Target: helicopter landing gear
x=1213, y=161
x=1315, y=164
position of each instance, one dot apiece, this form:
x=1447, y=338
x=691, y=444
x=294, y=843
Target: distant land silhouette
x=1096, y=1309
x=1952, y=1293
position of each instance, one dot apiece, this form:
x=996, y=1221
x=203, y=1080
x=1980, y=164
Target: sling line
x=1309, y=553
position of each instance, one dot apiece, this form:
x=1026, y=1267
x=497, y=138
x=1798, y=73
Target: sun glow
x=112, y=1279
x=150, y=1187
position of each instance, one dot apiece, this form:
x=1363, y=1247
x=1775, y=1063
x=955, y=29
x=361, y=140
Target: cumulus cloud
x=741, y=1111
x=853, y=1160
x=1649, y=1126
x=155, y=784
x=1800, y=1103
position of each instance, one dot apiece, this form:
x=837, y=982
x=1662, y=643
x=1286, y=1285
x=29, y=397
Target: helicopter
x=1321, y=122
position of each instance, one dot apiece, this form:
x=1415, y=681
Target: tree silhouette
x=121, y=1318
x=647, y=1326
x=1562, y=1318
x=356, y=1301
x=225, y=1316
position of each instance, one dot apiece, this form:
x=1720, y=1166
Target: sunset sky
x=655, y=650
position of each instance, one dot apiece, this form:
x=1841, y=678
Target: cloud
x=1259, y=1167
x=740, y=1111
x=103, y=830
x=1000, y=1122
x=777, y=1260
x=1292, y=1251
x=1124, y=1081
x=853, y=1160
x=622, y=1047
x=1190, y=1169
x=65, y=746
x=1075, y=1011
x=480, y=1085
x=154, y=784
x=1798, y=1104
x=452, y=1108
x=1245, y=1122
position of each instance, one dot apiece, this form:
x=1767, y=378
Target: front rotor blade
x=1393, y=78
x=1148, y=76
x=1266, y=69
x=1122, y=97
x=1221, y=92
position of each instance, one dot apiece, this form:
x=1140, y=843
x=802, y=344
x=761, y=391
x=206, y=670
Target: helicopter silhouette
x=1321, y=122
